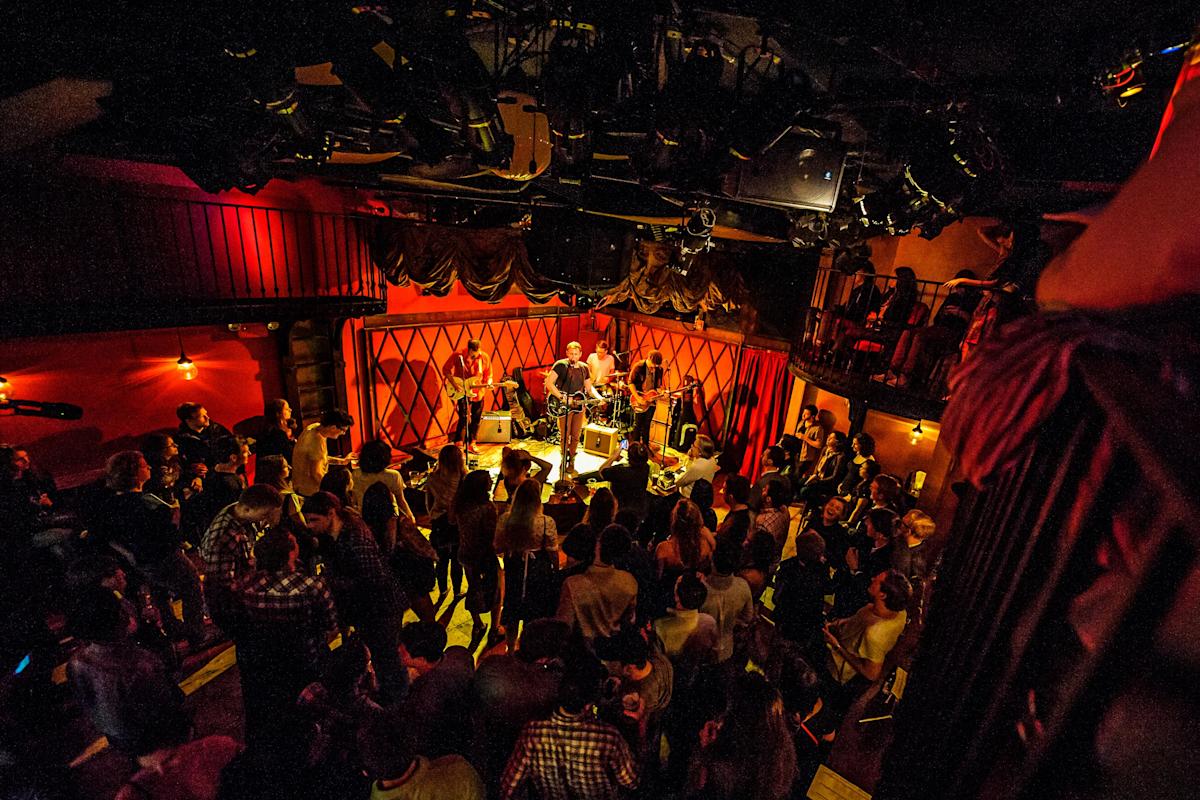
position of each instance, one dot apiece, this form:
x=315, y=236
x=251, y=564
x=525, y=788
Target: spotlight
x=234, y=327
x=273, y=325
x=698, y=230
x=5, y=389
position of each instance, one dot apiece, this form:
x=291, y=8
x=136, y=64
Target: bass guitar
x=643, y=401
x=458, y=388
x=574, y=404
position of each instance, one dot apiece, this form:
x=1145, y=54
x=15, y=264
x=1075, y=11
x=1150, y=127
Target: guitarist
x=567, y=377
x=461, y=367
x=645, y=381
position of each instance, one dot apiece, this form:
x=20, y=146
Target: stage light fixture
x=5, y=389
x=273, y=325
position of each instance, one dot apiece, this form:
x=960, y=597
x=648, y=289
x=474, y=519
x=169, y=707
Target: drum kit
x=617, y=411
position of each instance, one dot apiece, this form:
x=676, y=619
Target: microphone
x=36, y=408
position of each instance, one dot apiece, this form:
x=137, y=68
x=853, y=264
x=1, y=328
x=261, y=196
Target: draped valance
x=489, y=261
x=712, y=282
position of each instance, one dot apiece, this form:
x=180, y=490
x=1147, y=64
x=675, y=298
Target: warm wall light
x=5, y=389
x=916, y=434
x=187, y=370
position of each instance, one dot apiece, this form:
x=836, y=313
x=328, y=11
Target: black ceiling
x=1017, y=76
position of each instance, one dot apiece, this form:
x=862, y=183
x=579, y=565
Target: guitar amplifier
x=495, y=427
x=601, y=441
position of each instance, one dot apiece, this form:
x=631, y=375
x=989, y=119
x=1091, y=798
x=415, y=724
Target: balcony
x=891, y=351
x=115, y=260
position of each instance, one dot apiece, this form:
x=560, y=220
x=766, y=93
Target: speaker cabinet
x=495, y=427
x=601, y=441
x=799, y=171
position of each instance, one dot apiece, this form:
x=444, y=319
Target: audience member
x=912, y=557
x=702, y=467
x=688, y=547
x=367, y=594
x=773, y=515
x=859, y=644
x=310, y=456
x=173, y=766
x=124, y=689
x=278, y=436
x=226, y=550
x=812, y=436
x=629, y=481
x=274, y=470
x=513, y=688
x=475, y=517
x=702, y=495
x=800, y=588
x=225, y=480
x=685, y=633
x=643, y=688
x=399, y=771
x=144, y=530
x=339, y=704
x=401, y=544
x=736, y=525
x=598, y=601
x=828, y=473
x=440, y=691
x=197, y=437
x=373, y=460
x=440, y=489
x=774, y=459
x=728, y=601
x=528, y=540
x=571, y=754
x=602, y=510
x=759, y=562
x=746, y=754
x=285, y=620
x=339, y=482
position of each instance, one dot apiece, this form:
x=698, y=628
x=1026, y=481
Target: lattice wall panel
x=408, y=404
x=710, y=362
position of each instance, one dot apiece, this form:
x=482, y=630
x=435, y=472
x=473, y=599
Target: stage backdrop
x=405, y=399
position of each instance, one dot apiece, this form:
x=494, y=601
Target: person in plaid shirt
x=572, y=754
x=367, y=593
x=284, y=623
x=227, y=547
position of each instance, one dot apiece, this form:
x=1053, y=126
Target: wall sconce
x=916, y=434
x=5, y=389
x=186, y=369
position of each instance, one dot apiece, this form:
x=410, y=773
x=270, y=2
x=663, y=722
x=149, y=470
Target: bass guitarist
x=467, y=372
x=566, y=381
x=646, y=383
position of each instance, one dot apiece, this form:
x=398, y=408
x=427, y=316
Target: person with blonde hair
x=912, y=556
x=528, y=541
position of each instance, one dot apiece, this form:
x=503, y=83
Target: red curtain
x=760, y=403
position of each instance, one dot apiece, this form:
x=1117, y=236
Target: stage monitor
x=800, y=171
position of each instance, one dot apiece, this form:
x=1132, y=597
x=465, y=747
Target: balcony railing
x=120, y=260
x=864, y=338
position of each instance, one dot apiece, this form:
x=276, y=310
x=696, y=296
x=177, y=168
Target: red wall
x=128, y=385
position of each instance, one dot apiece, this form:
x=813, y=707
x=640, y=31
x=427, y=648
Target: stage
x=490, y=454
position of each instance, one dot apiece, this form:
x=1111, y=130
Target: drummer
x=601, y=364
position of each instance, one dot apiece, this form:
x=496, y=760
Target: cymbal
x=617, y=374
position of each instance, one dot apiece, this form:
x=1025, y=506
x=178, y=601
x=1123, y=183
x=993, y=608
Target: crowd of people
x=647, y=621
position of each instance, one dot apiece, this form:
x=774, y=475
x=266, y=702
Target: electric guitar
x=575, y=403
x=643, y=401
x=458, y=388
